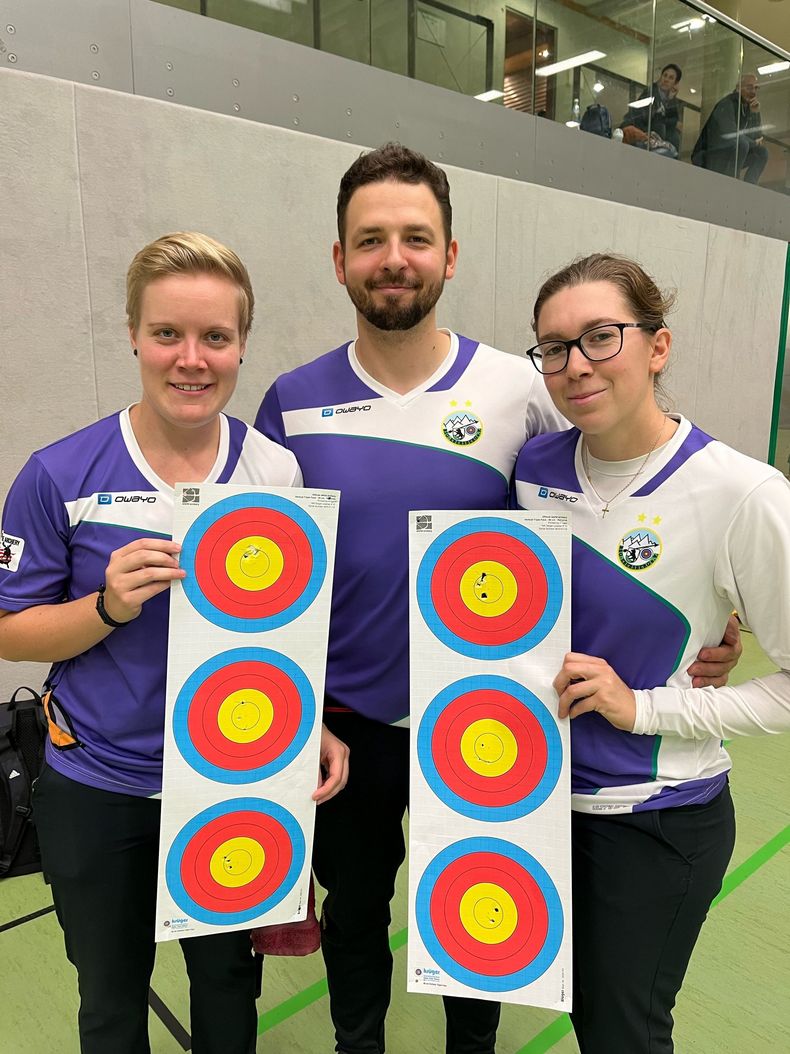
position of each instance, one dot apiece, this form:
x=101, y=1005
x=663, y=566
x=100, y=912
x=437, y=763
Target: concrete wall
x=90, y=175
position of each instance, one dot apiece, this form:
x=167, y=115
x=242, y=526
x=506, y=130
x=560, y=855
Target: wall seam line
x=85, y=249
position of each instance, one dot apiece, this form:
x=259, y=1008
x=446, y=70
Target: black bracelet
x=104, y=615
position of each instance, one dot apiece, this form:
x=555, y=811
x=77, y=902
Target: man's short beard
x=394, y=316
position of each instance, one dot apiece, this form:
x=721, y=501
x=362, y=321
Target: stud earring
x=241, y=360
x=134, y=351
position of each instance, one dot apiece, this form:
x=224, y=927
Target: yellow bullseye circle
x=245, y=716
x=254, y=563
x=237, y=861
x=489, y=747
x=488, y=588
x=488, y=913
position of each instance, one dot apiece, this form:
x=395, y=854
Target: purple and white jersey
x=451, y=443
x=705, y=530
x=73, y=503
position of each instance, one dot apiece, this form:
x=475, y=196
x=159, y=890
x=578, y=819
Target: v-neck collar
x=395, y=397
x=655, y=463
x=136, y=454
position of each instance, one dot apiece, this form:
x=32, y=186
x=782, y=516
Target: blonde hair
x=187, y=252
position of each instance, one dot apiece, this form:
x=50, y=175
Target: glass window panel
x=521, y=47
x=618, y=33
x=709, y=56
x=344, y=28
x=450, y=50
x=771, y=114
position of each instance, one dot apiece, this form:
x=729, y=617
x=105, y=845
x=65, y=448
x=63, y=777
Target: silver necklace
x=586, y=466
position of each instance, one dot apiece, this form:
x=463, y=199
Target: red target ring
x=531, y=929
x=195, y=867
x=478, y=548
x=206, y=732
x=454, y=769
x=212, y=552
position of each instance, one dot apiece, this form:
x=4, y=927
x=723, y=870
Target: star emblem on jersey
x=462, y=427
x=639, y=549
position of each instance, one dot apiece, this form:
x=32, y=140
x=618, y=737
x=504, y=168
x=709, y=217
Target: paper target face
x=489, y=915
x=235, y=861
x=489, y=588
x=489, y=749
x=254, y=562
x=243, y=715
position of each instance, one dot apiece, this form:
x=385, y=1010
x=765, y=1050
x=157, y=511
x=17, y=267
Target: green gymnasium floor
x=736, y=999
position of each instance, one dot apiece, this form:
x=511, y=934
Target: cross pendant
x=604, y=510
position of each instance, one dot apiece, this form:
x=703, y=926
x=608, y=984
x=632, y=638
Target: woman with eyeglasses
x=672, y=530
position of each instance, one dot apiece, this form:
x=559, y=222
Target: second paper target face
x=243, y=715
x=489, y=749
x=489, y=915
x=254, y=562
x=489, y=588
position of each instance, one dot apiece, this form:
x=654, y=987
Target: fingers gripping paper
x=489, y=885
x=248, y=636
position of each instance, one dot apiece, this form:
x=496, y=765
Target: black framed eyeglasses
x=596, y=344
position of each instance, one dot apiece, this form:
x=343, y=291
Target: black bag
x=23, y=731
x=596, y=119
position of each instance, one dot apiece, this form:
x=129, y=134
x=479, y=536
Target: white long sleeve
x=758, y=707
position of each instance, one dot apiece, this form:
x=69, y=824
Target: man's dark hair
x=396, y=162
x=678, y=71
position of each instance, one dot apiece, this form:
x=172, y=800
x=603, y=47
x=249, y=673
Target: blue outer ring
x=207, y=768
x=191, y=828
x=522, y=534
x=490, y=813
x=484, y=982
x=244, y=501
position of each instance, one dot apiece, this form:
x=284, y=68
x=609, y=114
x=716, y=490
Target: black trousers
x=99, y=851
x=642, y=886
x=359, y=847
x=731, y=160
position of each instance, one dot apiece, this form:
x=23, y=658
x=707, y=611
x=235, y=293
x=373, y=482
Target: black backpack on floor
x=596, y=119
x=23, y=731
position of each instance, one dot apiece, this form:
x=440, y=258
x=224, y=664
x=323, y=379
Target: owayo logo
x=544, y=492
x=639, y=549
x=328, y=411
x=108, y=499
x=462, y=428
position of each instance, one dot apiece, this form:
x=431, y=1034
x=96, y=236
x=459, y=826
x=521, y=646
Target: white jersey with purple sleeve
x=449, y=444
x=703, y=531
x=72, y=504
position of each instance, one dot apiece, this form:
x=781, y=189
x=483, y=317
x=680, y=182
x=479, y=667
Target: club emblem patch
x=462, y=427
x=639, y=549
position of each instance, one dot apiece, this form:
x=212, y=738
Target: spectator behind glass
x=661, y=116
x=732, y=137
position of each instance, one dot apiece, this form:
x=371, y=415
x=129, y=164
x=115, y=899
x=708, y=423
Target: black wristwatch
x=104, y=615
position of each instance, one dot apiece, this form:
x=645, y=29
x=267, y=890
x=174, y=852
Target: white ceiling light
x=637, y=104
x=568, y=64
x=774, y=67
x=694, y=23
x=489, y=96
x=598, y=87
x=571, y=124
x=693, y=91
